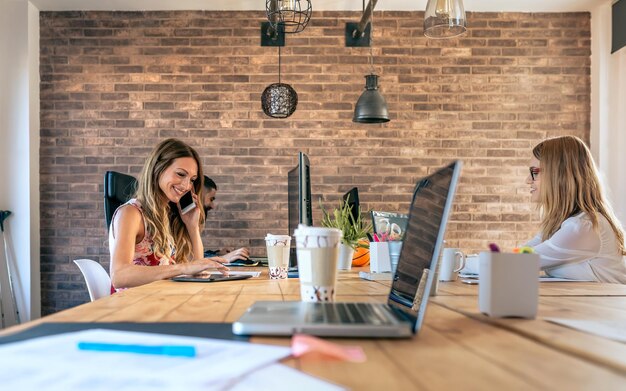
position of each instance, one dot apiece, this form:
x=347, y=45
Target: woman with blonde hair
x=580, y=237
x=150, y=238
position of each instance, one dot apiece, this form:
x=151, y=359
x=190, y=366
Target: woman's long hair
x=570, y=185
x=161, y=217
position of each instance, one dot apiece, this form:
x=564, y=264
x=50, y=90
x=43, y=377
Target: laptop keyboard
x=351, y=313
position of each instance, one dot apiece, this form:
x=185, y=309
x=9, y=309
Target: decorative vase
x=345, y=257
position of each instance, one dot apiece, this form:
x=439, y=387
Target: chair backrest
x=97, y=279
x=118, y=188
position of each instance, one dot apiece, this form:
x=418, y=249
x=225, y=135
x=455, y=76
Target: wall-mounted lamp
x=444, y=19
x=371, y=107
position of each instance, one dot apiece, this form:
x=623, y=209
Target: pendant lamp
x=371, y=108
x=279, y=100
x=444, y=19
x=293, y=14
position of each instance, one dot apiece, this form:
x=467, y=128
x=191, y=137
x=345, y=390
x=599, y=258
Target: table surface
x=457, y=346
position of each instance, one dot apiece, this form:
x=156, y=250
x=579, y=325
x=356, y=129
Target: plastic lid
x=304, y=230
x=277, y=237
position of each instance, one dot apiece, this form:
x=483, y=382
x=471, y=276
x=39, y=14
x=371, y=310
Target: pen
x=166, y=350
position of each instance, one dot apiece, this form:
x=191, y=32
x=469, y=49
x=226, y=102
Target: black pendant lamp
x=279, y=100
x=371, y=108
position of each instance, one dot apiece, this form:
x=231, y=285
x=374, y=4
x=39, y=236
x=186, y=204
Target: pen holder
x=509, y=284
x=379, y=257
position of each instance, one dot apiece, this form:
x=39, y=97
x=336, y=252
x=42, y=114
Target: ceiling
x=318, y=5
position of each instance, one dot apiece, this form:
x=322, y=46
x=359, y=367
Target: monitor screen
x=352, y=199
x=299, y=198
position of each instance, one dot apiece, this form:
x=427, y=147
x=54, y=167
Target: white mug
x=449, y=264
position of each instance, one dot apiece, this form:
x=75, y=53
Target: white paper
x=278, y=377
x=611, y=329
x=55, y=363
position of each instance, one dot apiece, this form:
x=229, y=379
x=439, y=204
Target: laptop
x=403, y=314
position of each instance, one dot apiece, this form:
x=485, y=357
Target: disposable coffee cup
x=395, y=247
x=317, y=251
x=277, y=255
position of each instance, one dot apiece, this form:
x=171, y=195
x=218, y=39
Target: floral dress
x=144, y=250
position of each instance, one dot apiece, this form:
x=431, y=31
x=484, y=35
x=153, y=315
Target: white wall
x=608, y=108
x=19, y=153
x=33, y=154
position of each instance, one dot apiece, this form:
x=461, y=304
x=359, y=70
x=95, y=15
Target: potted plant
x=353, y=230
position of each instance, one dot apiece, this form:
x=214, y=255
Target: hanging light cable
x=371, y=107
x=279, y=100
x=444, y=19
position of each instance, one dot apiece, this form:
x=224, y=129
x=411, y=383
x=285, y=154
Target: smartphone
x=186, y=202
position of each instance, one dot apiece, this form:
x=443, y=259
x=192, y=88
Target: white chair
x=97, y=279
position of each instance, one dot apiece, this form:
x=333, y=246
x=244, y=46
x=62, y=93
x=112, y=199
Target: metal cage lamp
x=444, y=19
x=293, y=14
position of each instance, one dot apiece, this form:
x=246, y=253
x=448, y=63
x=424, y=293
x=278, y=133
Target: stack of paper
x=56, y=363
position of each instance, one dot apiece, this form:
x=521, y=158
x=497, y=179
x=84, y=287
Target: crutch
x=3, y=216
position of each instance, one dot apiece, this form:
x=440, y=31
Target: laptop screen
x=430, y=208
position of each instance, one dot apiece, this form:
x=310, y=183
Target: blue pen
x=167, y=350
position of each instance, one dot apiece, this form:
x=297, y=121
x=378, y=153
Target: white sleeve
x=534, y=241
x=576, y=241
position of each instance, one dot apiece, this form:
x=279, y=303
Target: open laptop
x=404, y=312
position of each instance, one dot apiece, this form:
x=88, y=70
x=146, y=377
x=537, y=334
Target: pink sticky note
x=302, y=343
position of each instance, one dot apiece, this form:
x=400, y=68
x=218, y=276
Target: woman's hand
x=240, y=253
x=191, y=219
x=205, y=264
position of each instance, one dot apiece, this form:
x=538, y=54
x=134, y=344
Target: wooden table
x=457, y=348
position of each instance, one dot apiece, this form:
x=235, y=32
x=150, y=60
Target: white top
x=577, y=252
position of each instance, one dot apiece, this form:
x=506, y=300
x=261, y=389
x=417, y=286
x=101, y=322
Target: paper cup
x=277, y=255
x=317, y=250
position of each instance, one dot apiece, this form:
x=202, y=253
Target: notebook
x=403, y=314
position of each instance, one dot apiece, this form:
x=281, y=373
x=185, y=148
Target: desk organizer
x=379, y=257
x=509, y=284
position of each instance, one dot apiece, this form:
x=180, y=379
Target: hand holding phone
x=186, y=202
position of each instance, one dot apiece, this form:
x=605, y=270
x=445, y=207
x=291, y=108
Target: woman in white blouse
x=580, y=237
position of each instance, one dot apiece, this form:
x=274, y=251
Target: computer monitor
x=352, y=199
x=299, y=202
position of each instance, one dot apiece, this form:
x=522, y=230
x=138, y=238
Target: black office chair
x=118, y=188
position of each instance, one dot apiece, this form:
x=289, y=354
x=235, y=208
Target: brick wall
x=113, y=84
